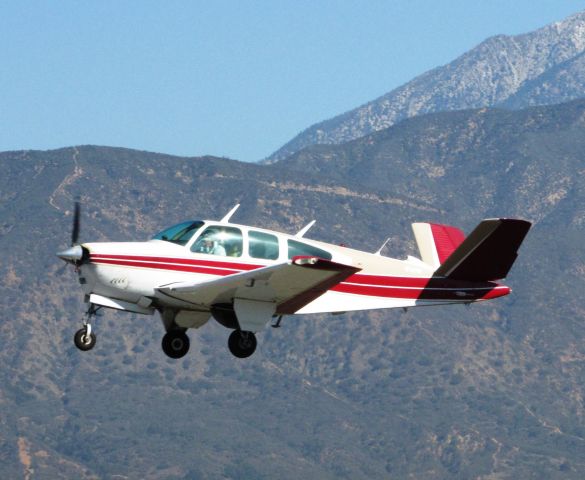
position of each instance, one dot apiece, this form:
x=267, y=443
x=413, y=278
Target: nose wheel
x=242, y=344
x=84, y=338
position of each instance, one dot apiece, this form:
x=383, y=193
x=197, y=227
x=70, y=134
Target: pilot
x=206, y=246
x=212, y=248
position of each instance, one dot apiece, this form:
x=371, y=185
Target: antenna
x=226, y=219
x=305, y=229
x=379, y=252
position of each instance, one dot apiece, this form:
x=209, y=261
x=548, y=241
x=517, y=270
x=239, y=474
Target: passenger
x=236, y=250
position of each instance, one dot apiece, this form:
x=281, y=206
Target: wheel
x=242, y=344
x=175, y=344
x=83, y=341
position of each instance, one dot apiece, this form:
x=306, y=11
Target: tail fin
x=488, y=252
x=436, y=242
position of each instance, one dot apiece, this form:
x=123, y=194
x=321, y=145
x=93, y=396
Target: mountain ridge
x=490, y=74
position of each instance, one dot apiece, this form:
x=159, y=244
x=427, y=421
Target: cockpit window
x=179, y=234
x=216, y=240
x=298, y=249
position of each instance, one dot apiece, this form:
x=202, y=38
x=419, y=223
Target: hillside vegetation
x=491, y=391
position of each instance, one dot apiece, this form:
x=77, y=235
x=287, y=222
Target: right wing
x=281, y=289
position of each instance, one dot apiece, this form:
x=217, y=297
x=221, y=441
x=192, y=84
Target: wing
x=277, y=289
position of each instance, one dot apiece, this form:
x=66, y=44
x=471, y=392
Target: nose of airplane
x=72, y=254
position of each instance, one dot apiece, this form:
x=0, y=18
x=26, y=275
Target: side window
x=263, y=245
x=298, y=249
x=224, y=241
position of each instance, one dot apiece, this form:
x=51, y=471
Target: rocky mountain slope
x=537, y=68
x=491, y=391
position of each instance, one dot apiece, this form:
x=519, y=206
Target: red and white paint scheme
x=244, y=277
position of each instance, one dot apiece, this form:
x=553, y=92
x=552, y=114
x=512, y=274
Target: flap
x=121, y=304
x=289, y=286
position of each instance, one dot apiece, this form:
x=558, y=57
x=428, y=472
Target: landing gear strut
x=242, y=344
x=84, y=338
x=175, y=343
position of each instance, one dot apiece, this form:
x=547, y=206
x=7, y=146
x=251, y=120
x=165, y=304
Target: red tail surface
x=447, y=239
x=436, y=242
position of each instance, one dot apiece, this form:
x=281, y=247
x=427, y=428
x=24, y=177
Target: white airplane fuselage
x=133, y=271
x=245, y=276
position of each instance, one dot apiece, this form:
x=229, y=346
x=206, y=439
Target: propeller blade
x=75, y=231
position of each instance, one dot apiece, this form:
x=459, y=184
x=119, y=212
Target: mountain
x=491, y=391
x=520, y=159
x=538, y=68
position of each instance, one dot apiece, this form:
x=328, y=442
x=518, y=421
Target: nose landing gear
x=84, y=338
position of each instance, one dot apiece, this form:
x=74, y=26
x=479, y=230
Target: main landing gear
x=242, y=344
x=84, y=338
x=175, y=343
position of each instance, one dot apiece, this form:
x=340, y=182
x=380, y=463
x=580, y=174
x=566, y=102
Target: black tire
x=175, y=344
x=82, y=341
x=242, y=344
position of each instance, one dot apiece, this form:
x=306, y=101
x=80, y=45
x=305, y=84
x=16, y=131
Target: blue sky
x=227, y=78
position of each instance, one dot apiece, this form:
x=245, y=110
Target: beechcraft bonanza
x=245, y=277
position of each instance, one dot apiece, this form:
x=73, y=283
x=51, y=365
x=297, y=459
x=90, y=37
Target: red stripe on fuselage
x=167, y=266
x=175, y=260
x=357, y=284
x=384, y=281
x=461, y=294
x=372, y=291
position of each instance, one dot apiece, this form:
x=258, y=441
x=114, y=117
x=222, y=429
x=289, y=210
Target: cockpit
x=232, y=241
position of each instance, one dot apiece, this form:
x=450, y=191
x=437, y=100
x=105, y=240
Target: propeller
x=74, y=254
x=75, y=230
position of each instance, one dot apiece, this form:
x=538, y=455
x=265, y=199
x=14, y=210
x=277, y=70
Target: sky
x=229, y=78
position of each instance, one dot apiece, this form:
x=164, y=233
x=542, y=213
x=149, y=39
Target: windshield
x=179, y=234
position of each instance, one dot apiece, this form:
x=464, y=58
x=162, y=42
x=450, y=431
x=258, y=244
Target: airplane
x=245, y=277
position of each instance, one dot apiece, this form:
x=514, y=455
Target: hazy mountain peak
x=573, y=25
x=540, y=67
